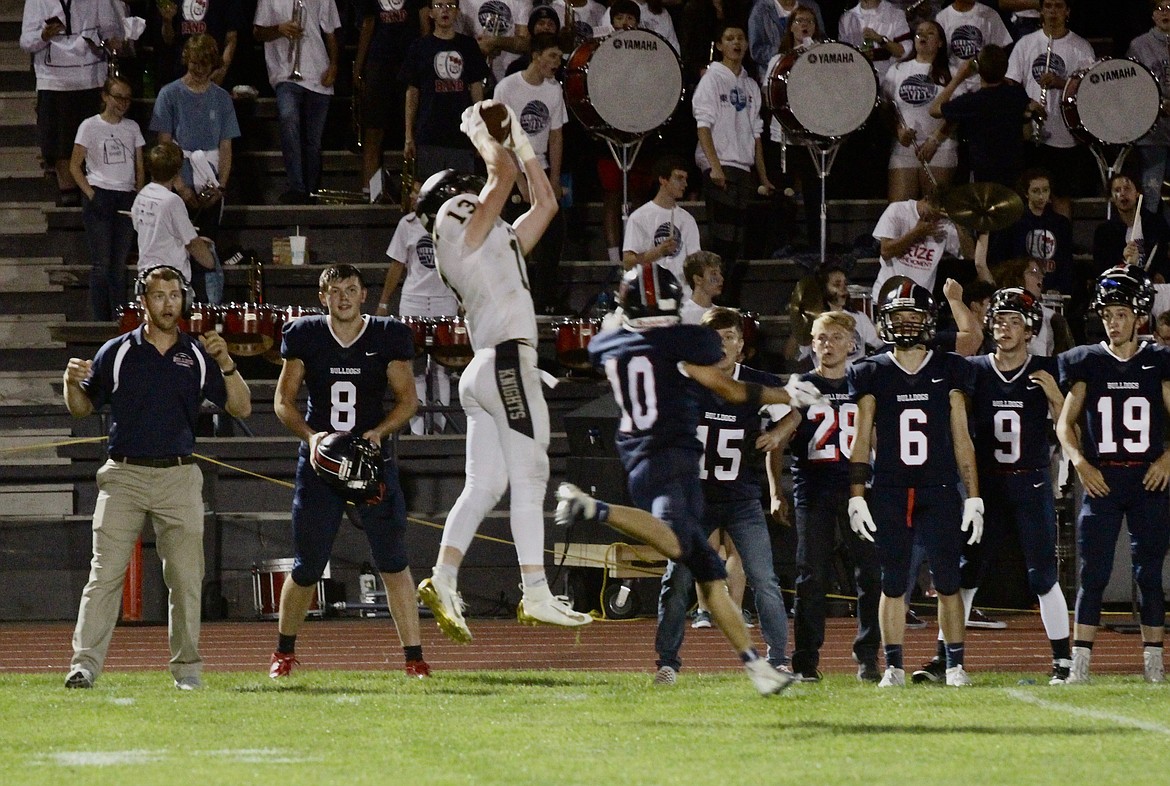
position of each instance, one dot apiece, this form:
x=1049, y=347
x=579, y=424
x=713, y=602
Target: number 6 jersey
x=912, y=446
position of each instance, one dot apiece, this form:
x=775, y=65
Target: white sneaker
x=574, y=505
x=893, y=678
x=767, y=678
x=957, y=677
x=665, y=675
x=1079, y=673
x=1152, y=661
x=550, y=610
x=79, y=677
x=439, y=593
x=1061, y=670
x=191, y=682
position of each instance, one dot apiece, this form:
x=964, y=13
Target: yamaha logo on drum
x=1113, y=76
x=626, y=43
x=830, y=57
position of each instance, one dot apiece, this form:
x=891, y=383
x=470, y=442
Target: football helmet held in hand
x=352, y=466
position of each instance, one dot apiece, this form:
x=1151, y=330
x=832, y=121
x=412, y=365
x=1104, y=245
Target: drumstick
x=1137, y=217
x=914, y=143
x=1150, y=258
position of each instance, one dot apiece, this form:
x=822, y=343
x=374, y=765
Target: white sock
x=1054, y=613
x=535, y=585
x=446, y=571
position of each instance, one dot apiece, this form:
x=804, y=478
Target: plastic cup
x=296, y=244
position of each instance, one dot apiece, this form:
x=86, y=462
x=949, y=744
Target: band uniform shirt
x=413, y=246
x=164, y=229
x=651, y=225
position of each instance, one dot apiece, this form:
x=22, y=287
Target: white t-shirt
x=1069, y=53
x=501, y=18
x=729, y=106
x=412, y=246
x=691, y=312
x=969, y=31
x=909, y=86
x=164, y=230
x=109, y=152
x=590, y=20
x=490, y=282
x=886, y=18
x=652, y=225
x=320, y=15
x=660, y=23
x=539, y=108
x=920, y=262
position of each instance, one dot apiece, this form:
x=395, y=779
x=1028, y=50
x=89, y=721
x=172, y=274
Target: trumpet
x=407, y=195
x=294, y=46
x=1038, y=133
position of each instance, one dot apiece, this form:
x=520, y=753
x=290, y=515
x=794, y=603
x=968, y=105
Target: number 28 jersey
x=823, y=442
x=1123, y=418
x=913, y=446
x=346, y=383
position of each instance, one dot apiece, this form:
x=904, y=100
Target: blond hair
x=831, y=319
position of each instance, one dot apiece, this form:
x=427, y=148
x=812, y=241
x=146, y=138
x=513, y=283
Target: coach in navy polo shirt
x=154, y=380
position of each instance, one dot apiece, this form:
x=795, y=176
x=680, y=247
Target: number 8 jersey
x=913, y=447
x=1124, y=418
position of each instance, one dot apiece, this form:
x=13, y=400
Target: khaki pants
x=127, y=494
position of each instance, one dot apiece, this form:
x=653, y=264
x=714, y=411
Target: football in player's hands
x=496, y=118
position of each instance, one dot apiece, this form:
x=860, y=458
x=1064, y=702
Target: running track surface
x=370, y=644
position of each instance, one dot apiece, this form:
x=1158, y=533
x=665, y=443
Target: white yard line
x=1084, y=712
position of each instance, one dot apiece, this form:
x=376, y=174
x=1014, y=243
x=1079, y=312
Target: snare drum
x=822, y=92
x=625, y=85
x=244, y=329
x=751, y=334
x=276, y=318
x=860, y=300
x=451, y=343
x=268, y=578
x=129, y=317
x=573, y=336
x=420, y=329
x=204, y=317
x=1114, y=101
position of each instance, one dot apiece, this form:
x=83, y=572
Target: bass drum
x=625, y=85
x=822, y=92
x=1115, y=101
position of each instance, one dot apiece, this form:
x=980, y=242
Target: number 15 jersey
x=913, y=446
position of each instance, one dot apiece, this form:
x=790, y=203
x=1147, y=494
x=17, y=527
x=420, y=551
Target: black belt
x=158, y=463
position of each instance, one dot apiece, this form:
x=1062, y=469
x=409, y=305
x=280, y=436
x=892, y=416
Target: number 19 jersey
x=913, y=447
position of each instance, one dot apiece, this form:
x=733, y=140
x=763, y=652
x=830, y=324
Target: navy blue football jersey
x=731, y=466
x=659, y=404
x=913, y=445
x=823, y=442
x=346, y=384
x=1008, y=414
x=1123, y=418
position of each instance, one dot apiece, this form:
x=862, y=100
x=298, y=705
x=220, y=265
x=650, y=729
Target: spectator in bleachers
x=1041, y=233
x=767, y=23
x=70, y=68
x=970, y=26
x=166, y=235
x=199, y=117
x=1057, y=151
x=655, y=18
x=703, y=272
x=545, y=20
x=920, y=140
x=388, y=29
x=176, y=21
x=1024, y=16
x=500, y=27
x=1054, y=335
x=1152, y=50
x=309, y=45
x=589, y=19
x=1131, y=236
x=726, y=106
x=989, y=119
x=914, y=235
x=698, y=23
x=536, y=99
x=444, y=74
x=878, y=28
x=107, y=165
x=661, y=232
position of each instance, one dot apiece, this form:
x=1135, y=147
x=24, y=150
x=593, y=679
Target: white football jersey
x=490, y=282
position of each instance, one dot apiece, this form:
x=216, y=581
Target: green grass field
x=331, y=727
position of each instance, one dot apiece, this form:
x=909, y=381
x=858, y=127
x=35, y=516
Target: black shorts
x=59, y=113
x=383, y=98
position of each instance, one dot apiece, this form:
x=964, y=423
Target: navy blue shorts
x=934, y=514
x=316, y=518
x=667, y=484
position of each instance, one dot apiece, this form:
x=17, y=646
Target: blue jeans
x=1153, y=158
x=744, y=521
x=302, y=124
x=110, y=236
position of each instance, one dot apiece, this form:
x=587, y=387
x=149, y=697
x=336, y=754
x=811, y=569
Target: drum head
x=832, y=89
x=1118, y=101
x=634, y=81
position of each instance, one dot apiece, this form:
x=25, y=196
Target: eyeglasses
x=452, y=6
x=119, y=97
x=1162, y=8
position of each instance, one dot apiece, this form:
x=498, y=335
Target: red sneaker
x=417, y=668
x=282, y=664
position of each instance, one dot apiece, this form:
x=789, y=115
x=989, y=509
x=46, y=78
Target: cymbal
x=982, y=207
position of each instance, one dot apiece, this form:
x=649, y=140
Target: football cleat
x=417, y=668
x=79, y=678
x=702, y=619
x=809, y=676
x=550, y=610
x=957, y=677
x=1153, y=669
x=574, y=505
x=767, y=678
x=934, y=671
x=893, y=678
x=1060, y=671
x=665, y=676
x=282, y=665
x=447, y=605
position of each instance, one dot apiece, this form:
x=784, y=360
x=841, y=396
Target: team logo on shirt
x=495, y=17
x=391, y=11
x=1055, y=65
x=449, y=65
x=1040, y=244
x=665, y=232
x=184, y=360
x=534, y=117
x=966, y=42
x=917, y=90
x=194, y=10
x=426, y=252
x=737, y=98
x=582, y=29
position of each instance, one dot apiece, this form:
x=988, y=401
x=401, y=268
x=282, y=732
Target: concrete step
x=28, y=274
x=18, y=108
x=23, y=218
x=29, y=331
x=20, y=162
x=12, y=57
x=30, y=387
x=32, y=446
x=27, y=501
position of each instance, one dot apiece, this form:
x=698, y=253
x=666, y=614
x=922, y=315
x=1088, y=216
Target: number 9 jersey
x=1009, y=415
x=913, y=447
